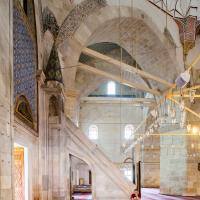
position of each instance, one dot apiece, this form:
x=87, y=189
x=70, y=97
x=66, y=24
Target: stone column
x=6, y=101
x=6, y=148
x=43, y=135
x=57, y=161
x=179, y=159
x=193, y=152
x=52, y=141
x=150, y=172
x=53, y=144
x=72, y=105
x=148, y=152
x=173, y=163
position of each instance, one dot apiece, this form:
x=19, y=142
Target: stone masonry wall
x=5, y=101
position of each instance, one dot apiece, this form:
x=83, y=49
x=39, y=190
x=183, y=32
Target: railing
x=98, y=157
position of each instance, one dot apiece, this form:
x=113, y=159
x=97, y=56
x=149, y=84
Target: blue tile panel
x=24, y=62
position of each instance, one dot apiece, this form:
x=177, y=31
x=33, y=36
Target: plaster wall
x=111, y=119
x=107, y=181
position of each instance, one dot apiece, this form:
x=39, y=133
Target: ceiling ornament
x=53, y=68
x=185, y=14
x=50, y=22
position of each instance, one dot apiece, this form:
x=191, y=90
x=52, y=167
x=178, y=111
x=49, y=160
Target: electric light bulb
x=189, y=127
x=182, y=105
x=192, y=145
x=195, y=130
x=174, y=121
x=151, y=130
x=181, y=124
x=162, y=120
x=173, y=113
x=156, y=125
x=192, y=95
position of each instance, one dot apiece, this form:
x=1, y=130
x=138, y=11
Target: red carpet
x=153, y=194
x=82, y=196
x=147, y=194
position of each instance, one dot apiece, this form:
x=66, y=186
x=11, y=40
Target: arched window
x=128, y=174
x=111, y=88
x=128, y=132
x=93, y=132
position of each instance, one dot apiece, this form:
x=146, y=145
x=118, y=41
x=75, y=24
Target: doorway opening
x=21, y=172
x=80, y=179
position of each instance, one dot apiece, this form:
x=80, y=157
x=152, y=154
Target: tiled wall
x=24, y=59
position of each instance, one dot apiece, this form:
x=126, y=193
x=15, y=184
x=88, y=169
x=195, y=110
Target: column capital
x=40, y=76
x=73, y=93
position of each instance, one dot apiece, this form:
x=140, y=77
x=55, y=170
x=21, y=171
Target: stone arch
x=73, y=21
x=86, y=33
x=87, y=84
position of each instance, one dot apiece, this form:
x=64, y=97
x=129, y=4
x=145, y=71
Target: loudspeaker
x=183, y=79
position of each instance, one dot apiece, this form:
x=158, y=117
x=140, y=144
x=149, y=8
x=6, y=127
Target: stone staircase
x=82, y=147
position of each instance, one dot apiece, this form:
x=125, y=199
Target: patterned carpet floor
x=153, y=194
x=147, y=194
x=81, y=196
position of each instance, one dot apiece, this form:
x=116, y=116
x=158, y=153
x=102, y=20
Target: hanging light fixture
x=151, y=130
x=147, y=133
x=189, y=127
x=192, y=95
x=183, y=119
x=174, y=121
x=195, y=130
x=173, y=113
x=182, y=105
x=154, y=113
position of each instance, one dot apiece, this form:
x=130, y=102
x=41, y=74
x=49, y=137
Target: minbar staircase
x=80, y=145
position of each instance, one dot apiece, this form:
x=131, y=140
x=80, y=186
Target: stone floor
x=153, y=194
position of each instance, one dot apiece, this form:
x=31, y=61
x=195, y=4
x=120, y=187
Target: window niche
x=111, y=88
x=53, y=106
x=128, y=131
x=93, y=132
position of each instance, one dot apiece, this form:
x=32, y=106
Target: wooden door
x=19, y=173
